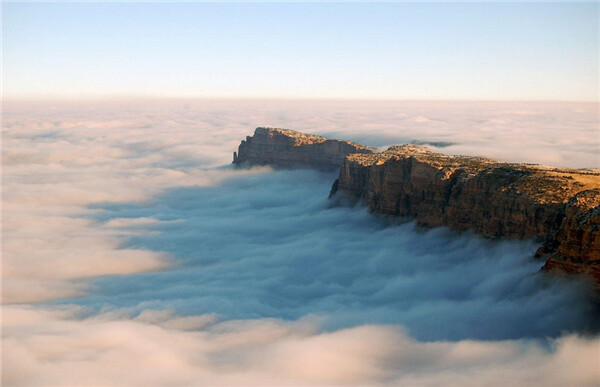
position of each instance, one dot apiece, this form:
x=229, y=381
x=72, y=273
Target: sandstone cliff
x=560, y=207
x=575, y=248
x=288, y=148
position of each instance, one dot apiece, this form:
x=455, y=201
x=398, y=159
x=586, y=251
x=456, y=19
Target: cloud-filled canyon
x=132, y=244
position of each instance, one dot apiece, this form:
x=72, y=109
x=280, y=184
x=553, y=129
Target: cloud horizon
x=130, y=244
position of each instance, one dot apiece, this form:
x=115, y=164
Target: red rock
x=288, y=148
x=558, y=206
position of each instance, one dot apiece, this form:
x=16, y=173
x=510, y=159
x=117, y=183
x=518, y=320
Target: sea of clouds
x=133, y=253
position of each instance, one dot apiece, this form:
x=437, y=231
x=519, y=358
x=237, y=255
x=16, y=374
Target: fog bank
x=129, y=244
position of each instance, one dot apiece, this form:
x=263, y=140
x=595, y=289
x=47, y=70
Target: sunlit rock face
x=500, y=200
x=576, y=246
x=558, y=206
x=493, y=199
x=288, y=148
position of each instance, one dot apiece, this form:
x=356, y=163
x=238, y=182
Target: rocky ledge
x=288, y=148
x=560, y=207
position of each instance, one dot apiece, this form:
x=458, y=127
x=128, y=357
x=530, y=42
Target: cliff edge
x=288, y=148
x=560, y=207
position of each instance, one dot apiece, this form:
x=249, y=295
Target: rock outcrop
x=560, y=207
x=288, y=148
x=575, y=248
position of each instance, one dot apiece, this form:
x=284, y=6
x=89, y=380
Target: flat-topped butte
x=289, y=148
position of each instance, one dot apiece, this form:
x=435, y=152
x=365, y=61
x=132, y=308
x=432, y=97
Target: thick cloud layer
x=43, y=347
x=270, y=245
x=155, y=260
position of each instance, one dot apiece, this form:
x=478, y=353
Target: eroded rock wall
x=560, y=207
x=575, y=248
x=288, y=148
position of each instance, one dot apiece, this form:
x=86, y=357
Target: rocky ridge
x=558, y=206
x=289, y=148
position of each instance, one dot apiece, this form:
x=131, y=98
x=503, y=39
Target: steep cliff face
x=288, y=148
x=575, y=247
x=559, y=206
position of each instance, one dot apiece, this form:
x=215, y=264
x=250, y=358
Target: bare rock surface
x=560, y=207
x=575, y=247
x=288, y=148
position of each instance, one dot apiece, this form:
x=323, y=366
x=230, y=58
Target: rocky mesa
x=560, y=207
x=289, y=148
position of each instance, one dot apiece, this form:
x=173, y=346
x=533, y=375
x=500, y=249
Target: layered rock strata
x=288, y=148
x=575, y=248
x=560, y=207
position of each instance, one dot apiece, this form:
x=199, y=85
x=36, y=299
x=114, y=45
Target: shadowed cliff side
x=560, y=207
x=288, y=148
x=575, y=247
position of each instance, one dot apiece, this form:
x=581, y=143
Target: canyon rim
x=560, y=207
